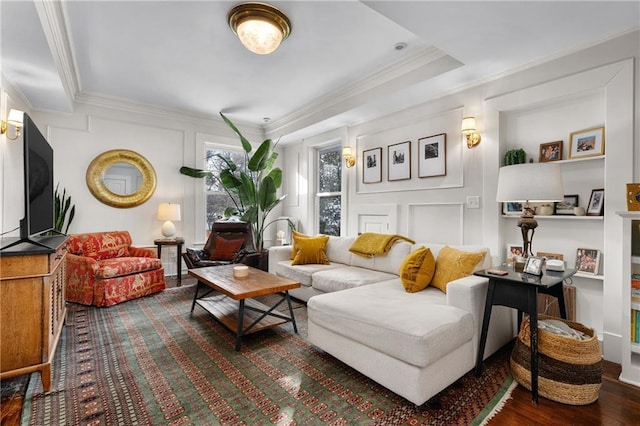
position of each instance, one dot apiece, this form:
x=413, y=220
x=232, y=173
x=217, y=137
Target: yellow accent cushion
x=452, y=264
x=294, y=247
x=417, y=269
x=311, y=250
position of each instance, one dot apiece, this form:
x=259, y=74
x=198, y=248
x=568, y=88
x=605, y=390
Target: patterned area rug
x=149, y=362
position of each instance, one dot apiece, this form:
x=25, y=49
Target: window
x=329, y=194
x=217, y=199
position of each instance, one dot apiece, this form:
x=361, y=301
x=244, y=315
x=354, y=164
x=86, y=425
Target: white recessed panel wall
x=438, y=223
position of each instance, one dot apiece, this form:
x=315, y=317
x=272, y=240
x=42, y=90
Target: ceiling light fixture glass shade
x=260, y=27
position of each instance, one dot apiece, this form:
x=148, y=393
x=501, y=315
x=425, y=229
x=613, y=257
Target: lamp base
x=168, y=229
x=527, y=225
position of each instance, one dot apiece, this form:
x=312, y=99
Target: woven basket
x=569, y=370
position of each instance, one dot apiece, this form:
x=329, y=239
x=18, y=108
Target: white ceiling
x=339, y=65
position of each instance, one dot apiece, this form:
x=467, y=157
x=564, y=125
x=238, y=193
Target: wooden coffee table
x=232, y=315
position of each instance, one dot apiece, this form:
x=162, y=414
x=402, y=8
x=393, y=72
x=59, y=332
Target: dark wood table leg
x=179, y=265
x=485, y=325
x=533, y=328
x=195, y=296
x=239, y=331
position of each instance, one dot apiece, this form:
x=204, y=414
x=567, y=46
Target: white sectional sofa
x=415, y=344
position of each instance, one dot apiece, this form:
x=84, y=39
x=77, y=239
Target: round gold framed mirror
x=112, y=184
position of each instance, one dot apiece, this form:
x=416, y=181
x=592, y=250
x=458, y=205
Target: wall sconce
x=15, y=118
x=169, y=212
x=349, y=159
x=259, y=26
x=470, y=131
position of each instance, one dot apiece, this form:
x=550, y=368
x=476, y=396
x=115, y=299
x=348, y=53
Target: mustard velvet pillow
x=417, y=269
x=311, y=250
x=452, y=264
x=295, y=235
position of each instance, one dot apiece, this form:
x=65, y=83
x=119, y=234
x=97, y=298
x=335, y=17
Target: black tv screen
x=38, y=182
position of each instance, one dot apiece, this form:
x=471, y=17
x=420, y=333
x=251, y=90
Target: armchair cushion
x=110, y=268
x=226, y=249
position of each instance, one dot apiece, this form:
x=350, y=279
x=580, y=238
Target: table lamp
x=169, y=212
x=525, y=183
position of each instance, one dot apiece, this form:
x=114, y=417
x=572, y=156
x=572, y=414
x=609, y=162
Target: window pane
x=214, y=163
x=329, y=170
x=330, y=215
x=216, y=204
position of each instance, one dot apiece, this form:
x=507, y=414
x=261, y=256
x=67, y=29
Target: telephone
x=555, y=265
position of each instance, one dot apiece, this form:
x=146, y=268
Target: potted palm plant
x=253, y=190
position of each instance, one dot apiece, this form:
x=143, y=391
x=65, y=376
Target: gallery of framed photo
x=566, y=207
x=432, y=156
x=586, y=143
x=596, y=203
x=588, y=261
x=512, y=208
x=399, y=161
x=372, y=165
x=551, y=151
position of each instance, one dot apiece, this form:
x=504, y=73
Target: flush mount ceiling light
x=260, y=27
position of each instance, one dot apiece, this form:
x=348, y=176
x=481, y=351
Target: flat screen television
x=39, y=204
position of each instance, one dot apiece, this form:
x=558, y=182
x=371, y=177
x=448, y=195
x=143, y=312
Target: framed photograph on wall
x=512, y=208
x=596, y=203
x=566, y=207
x=551, y=151
x=588, y=261
x=399, y=161
x=372, y=165
x=432, y=156
x=586, y=143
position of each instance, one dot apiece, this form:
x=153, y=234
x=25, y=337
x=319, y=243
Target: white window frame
x=334, y=144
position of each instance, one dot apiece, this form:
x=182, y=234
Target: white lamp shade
x=169, y=211
x=346, y=151
x=16, y=117
x=468, y=124
x=534, y=182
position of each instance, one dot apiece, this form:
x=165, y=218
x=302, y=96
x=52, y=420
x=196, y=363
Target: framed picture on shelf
x=534, y=265
x=586, y=143
x=588, y=261
x=432, y=156
x=596, y=203
x=550, y=256
x=372, y=165
x=551, y=151
x=633, y=196
x=399, y=161
x=566, y=207
x=512, y=208
x=514, y=250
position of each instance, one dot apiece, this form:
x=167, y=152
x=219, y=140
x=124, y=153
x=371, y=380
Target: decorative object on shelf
x=513, y=251
x=372, y=165
x=586, y=143
x=596, y=203
x=349, y=158
x=512, y=209
x=579, y=211
x=253, y=190
x=432, y=156
x=515, y=156
x=588, y=261
x=633, y=196
x=534, y=265
x=529, y=182
x=550, y=256
x=551, y=151
x=62, y=204
x=545, y=209
x=15, y=118
x=566, y=206
x=469, y=129
x=169, y=212
x=399, y=161
x=259, y=26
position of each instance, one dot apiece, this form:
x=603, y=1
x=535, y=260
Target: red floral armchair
x=103, y=269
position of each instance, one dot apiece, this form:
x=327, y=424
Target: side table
x=178, y=242
x=520, y=290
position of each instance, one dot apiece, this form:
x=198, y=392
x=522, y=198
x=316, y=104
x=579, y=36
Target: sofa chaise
x=415, y=344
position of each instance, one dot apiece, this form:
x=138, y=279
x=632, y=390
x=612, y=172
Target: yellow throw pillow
x=295, y=235
x=417, y=269
x=452, y=264
x=311, y=250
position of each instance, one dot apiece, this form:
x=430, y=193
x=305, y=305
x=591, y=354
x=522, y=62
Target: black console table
x=520, y=290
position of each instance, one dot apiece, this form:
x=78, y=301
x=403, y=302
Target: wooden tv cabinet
x=32, y=306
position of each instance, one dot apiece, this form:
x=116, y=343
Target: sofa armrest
x=142, y=252
x=278, y=254
x=81, y=263
x=470, y=294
